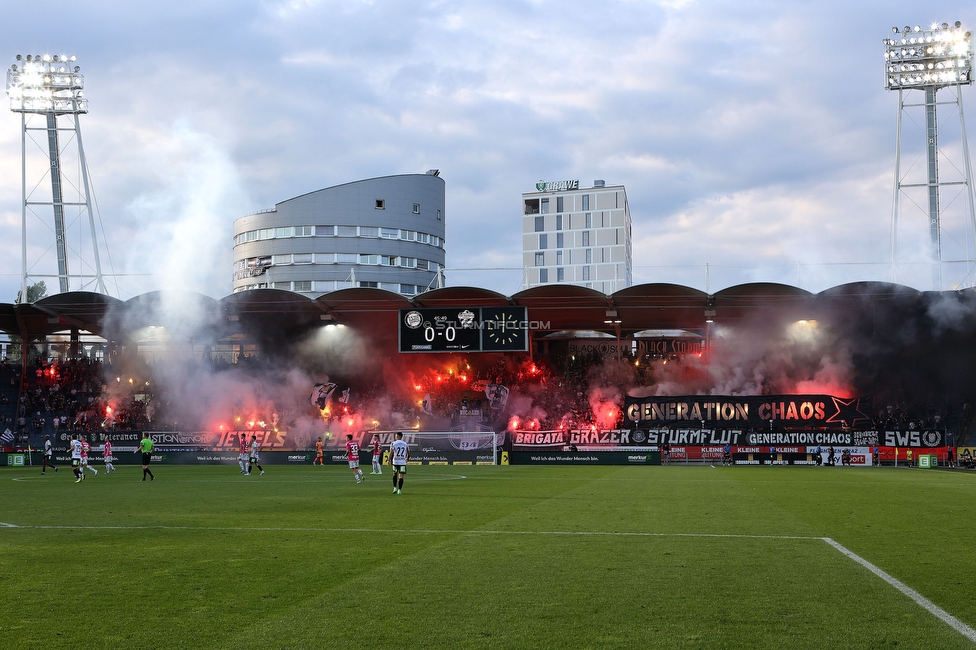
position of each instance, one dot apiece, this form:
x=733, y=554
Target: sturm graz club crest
x=931, y=439
x=639, y=436
x=413, y=319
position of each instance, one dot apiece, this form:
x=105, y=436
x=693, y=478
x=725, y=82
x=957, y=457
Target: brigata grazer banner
x=777, y=411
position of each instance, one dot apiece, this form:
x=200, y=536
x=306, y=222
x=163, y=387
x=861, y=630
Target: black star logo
x=848, y=411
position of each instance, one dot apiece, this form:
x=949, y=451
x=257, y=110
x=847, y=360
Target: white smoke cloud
x=181, y=232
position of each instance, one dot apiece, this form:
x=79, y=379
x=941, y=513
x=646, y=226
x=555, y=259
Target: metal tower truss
x=47, y=91
x=933, y=175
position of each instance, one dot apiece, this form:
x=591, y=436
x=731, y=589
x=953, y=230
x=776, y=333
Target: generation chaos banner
x=749, y=412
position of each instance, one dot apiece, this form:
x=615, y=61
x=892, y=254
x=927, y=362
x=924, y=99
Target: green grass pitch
x=485, y=557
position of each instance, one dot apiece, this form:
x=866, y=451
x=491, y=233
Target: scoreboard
x=464, y=329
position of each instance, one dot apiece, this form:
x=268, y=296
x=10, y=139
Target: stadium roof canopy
x=272, y=313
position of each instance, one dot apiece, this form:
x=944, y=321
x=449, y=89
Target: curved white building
x=385, y=232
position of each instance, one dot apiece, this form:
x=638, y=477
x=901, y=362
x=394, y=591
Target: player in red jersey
x=107, y=457
x=352, y=452
x=85, y=448
x=242, y=456
x=377, y=448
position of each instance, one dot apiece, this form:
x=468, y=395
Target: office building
x=577, y=236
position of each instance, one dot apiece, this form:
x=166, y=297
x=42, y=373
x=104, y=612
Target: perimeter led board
x=464, y=329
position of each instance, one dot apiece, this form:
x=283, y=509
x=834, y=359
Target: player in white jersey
x=254, y=460
x=48, y=455
x=85, y=448
x=107, y=457
x=399, y=455
x=76, y=458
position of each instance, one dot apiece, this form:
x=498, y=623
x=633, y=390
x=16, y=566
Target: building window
x=302, y=258
x=559, y=240
x=284, y=232
x=325, y=285
x=589, y=256
x=543, y=275
x=346, y=231
x=543, y=241
x=369, y=285
x=282, y=285
x=303, y=285
x=560, y=274
x=369, y=231
x=304, y=231
x=408, y=235
x=325, y=231
x=380, y=205
x=325, y=258
x=559, y=257
x=416, y=208
x=266, y=233
x=390, y=233
x=422, y=264
x=438, y=215
x=559, y=204
x=586, y=203
x=423, y=238
x=435, y=240
x=586, y=273
x=279, y=260
x=540, y=259
x=589, y=221
x=540, y=224
x=369, y=259
x=545, y=206
x=408, y=289
x=616, y=236
x=347, y=258
x=559, y=220
x=586, y=238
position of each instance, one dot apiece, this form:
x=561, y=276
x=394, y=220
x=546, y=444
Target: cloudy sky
x=753, y=137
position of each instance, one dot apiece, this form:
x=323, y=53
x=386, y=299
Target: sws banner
x=750, y=411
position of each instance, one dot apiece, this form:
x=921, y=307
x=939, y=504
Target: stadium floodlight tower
x=930, y=60
x=52, y=86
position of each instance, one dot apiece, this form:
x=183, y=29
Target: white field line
x=919, y=599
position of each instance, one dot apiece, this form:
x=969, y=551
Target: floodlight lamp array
x=45, y=83
x=918, y=58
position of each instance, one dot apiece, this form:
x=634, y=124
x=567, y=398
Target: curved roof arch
x=762, y=291
x=82, y=309
x=750, y=299
x=461, y=297
x=358, y=299
x=869, y=290
x=660, y=306
x=565, y=306
x=270, y=301
x=186, y=314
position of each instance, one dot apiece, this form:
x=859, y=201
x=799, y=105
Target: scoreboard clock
x=465, y=329
x=504, y=329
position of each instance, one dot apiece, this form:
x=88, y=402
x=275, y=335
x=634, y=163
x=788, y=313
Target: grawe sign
x=556, y=186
